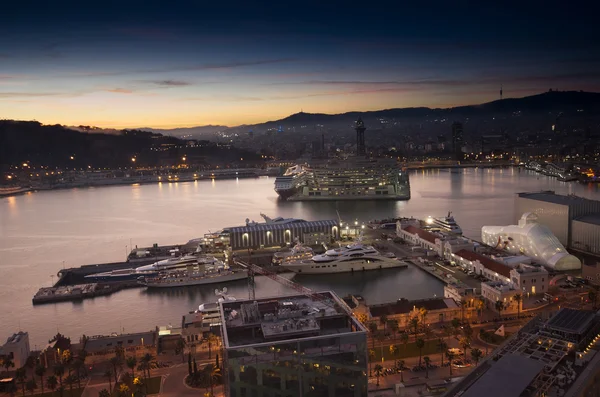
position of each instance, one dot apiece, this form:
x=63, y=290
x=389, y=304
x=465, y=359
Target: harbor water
x=42, y=232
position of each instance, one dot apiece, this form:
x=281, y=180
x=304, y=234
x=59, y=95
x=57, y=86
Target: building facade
x=585, y=234
x=493, y=291
x=482, y=265
x=16, y=348
x=293, y=346
x=530, y=280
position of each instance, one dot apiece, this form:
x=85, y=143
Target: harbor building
x=530, y=279
x=532, y=239
x=16, y=348
x=442, y=244
x=482, y=265
x=585, y=231
x=494, y=291
x=556, y=357
x=556, y=211
x=437, y=310
x=297, y=345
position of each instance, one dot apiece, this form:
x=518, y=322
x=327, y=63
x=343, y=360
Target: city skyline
x=146, y=65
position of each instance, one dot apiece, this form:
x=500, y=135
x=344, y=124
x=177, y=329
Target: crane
x=252, y=269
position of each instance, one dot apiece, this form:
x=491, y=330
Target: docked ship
x=350, y=258
x=118, y=275
x=194, y=275
x=298, y=253
x=446, y=224
x=174, y=263
x=351, y=178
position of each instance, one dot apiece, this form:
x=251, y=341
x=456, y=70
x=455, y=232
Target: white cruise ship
x=291, y=181
x=351, y=258
x=447, y=224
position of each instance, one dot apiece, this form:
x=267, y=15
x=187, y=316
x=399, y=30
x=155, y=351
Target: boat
x=10, y=190
x=172, y=263
x=118, y=275
x=199, y=274
x=350, y=258
x=290, y=182
x=298, y=252
x=446, y=224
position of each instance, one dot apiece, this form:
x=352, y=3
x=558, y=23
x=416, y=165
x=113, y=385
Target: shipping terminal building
x=298, y=345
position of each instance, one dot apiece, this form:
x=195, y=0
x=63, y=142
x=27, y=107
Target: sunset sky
x=174, y=64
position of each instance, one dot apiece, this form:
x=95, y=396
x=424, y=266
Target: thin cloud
x=28, y=94
x=172, y=83
x=120, y=91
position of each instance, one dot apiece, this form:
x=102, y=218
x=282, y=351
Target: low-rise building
x=494, y=291
x=52, y=353
x=437, y=310
x=459, y=292
x=482, y=265
x=16, y=348
x=530, y=279
x=106, y=344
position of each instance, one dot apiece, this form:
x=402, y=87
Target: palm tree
x=518, y=298
x=427, y=361
x=468, y=331
x=394, y=353
x=465, y=343
x=462, y=304
x=180, y=348
x=455, y=323
x=31, y=385
x=147, y=359
x=378, y=372
x=372, y=330
x=52, y=382
x=210, y=339
x=414, y=324
x=450, y=356
x=77, y=366
x=442, y=346
x=380, y=339
x=420, y=343
x=40, y=370
x=371, y=357
x=143, y=367
x=7, y=363
x=115, y=362
x=383, y=321
x=404, y=339
x=476, y=355
x=131, y=363
x=401, y=367
x=59, y=370
x=393, y=325
x=123, y=390
x=499, y=308
x=448, y=331
x=480, y=306
x=214, y=374
x=21, y=376
x=108, y=375
x=104, y=393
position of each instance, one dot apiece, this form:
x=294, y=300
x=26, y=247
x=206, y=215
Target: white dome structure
x=533, y=240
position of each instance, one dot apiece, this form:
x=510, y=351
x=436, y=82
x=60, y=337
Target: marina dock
x=78, y=292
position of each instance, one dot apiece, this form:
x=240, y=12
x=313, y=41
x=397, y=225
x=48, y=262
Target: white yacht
x=170, y=264
x=350, y=258
x=195, y=274
x=298, y=253
x=447, y=224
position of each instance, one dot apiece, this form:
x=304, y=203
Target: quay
x=79, y=292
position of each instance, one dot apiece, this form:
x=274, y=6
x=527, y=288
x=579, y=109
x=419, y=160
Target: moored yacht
x=350, y=258
x=298, y=253
x=198, y=274
x=447, y=224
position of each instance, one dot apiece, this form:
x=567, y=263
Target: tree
x=442, y=346
x=123, y=390
x=210, y=339
x=189, y=364
x=423, y=313
x=448, y=331
x=214, y=374
x=115, y=362
x=40, y=370
x=378, y=372
x=31, y=385
x=108, y=374
x=394, y=353
x=180, y=348
x=518, y=298
x=371, y=357
x=420, y=343
x=480, y=306
x=393, y=325
x=383, y=321
x=70, y=380
x=195, y=367
x=465, y=343
x=147, y=360
x=427, y=361
x=414, y=324
x=380, y=339
x=463, y=305
x=103, y=393
x=131, y=363
x=450, y=356
x=468, y=331
x=52, y=382
x=476, y=354
x=499, y=308
x=455, y=323
x=401, y=367
x=21, y=376
x=59, y=370
x=77, y=366
x=217, y=361
x=7, y=363
x=404, y=339
x=372, y=330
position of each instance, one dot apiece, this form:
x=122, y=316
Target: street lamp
x=133, y=159
x=183, y=158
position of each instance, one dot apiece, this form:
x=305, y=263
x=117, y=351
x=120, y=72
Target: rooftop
x=266, y=320
x=424, y=234
x=487, y=262
x=405, y=306
x=297, y=224
x=571, y=320
x=594, y=219
x=16, y=338
x=550, y=196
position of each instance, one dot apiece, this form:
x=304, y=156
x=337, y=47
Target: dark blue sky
x=137, y=63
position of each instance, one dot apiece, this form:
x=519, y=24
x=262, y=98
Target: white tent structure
x=533, y=240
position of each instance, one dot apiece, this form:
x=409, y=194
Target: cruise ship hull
x=285, y=194
x=310, y=267
x=353, y=198
x=186, y=282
